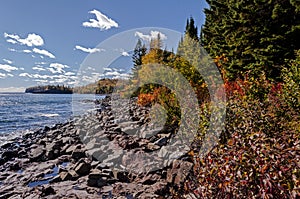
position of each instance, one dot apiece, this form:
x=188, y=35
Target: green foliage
x=55, y=89
x=291, y=78
x=138, y=53
x=103, y=86
x=255, y=36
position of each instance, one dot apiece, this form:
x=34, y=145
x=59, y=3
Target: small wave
x=50, y=115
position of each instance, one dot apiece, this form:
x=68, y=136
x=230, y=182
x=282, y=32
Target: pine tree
x=191, y=30
x=255, y=36
x=138, y=53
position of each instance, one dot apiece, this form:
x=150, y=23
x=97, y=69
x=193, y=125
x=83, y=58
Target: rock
x=83, y=168
x=152, y=147
x=37, y=154
x=8, y=155
x=179, y=171
x=65, y=176
x=121, y=176
x=74, y=174
x=48, y=190
x=69, y=149
x=96, y=179
x=161, y=141
x=78, y=154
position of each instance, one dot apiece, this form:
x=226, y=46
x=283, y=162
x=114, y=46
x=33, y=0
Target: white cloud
x=11, y=41
x=7, y=61
x=41, y=80
x=2, y=75
x=26, y=51
x=12, y=50
x=152, y=35
x=38, y=68
x=57, y=68
x=32, y=39
x=7, y=68
x=69, y=73
x=88, y=50
x=43, y=52
x=126, y=54
x=107, y=69
x=41, y=63
x=102, y=22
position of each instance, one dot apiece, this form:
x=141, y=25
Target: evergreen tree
x=138, y=53
x=255, y=36
x=191, y=30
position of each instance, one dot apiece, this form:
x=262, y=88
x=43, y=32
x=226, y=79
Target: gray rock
x=37, y=154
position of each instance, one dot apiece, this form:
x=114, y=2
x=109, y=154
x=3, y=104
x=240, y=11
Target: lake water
x=22, y=111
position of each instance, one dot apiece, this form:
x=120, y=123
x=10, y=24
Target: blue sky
x=46, y=42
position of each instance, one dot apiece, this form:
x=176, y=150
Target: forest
x=256, y=47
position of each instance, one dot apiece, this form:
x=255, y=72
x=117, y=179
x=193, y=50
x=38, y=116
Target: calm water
x=20, y=111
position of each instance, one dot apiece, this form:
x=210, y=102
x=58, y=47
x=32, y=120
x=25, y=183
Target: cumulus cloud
x=152, y=35
x=57, y=68
x=11, y=41
x=116, y=75
x=32, y=39
x=69, y=73
x=7, y=68
x=38, y=68
x=26, y=51
x=126, y=54
x=88, y=50
x=102, y=22
x=43, y=52
x=2, y=75
x=7, y=61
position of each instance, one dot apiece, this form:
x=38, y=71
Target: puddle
x=48, y=177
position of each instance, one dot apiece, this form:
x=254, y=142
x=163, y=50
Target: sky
x=62, y=41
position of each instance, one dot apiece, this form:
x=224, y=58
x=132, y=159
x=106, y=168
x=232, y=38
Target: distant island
x=49, y=89
x=103, y=86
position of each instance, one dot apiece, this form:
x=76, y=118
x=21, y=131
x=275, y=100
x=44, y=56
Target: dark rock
x=15, y=166
x=83, y=168
x=122, y=176
x=161, y=141
x=65, y=176
x=78, y=154
x=97, y=179
x=7, y=145
x=48, y=190
x=8, y=155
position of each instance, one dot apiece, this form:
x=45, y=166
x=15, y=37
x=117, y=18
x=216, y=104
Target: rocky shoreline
x=100, y=155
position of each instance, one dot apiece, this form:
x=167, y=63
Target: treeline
x=50, y=89
x=103, y=86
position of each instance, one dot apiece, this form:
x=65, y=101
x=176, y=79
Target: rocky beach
x=97, y=155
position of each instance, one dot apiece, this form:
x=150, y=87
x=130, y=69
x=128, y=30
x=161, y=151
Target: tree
x=255, y=36
x=191, y=30
x=138, y=53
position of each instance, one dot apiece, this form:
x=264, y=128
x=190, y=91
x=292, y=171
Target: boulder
x=37, y=154
x=83, y=168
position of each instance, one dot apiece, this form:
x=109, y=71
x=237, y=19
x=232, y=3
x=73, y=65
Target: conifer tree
x=255, y=36
x=138, y=53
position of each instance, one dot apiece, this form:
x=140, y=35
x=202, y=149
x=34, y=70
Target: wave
x=50, y=115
